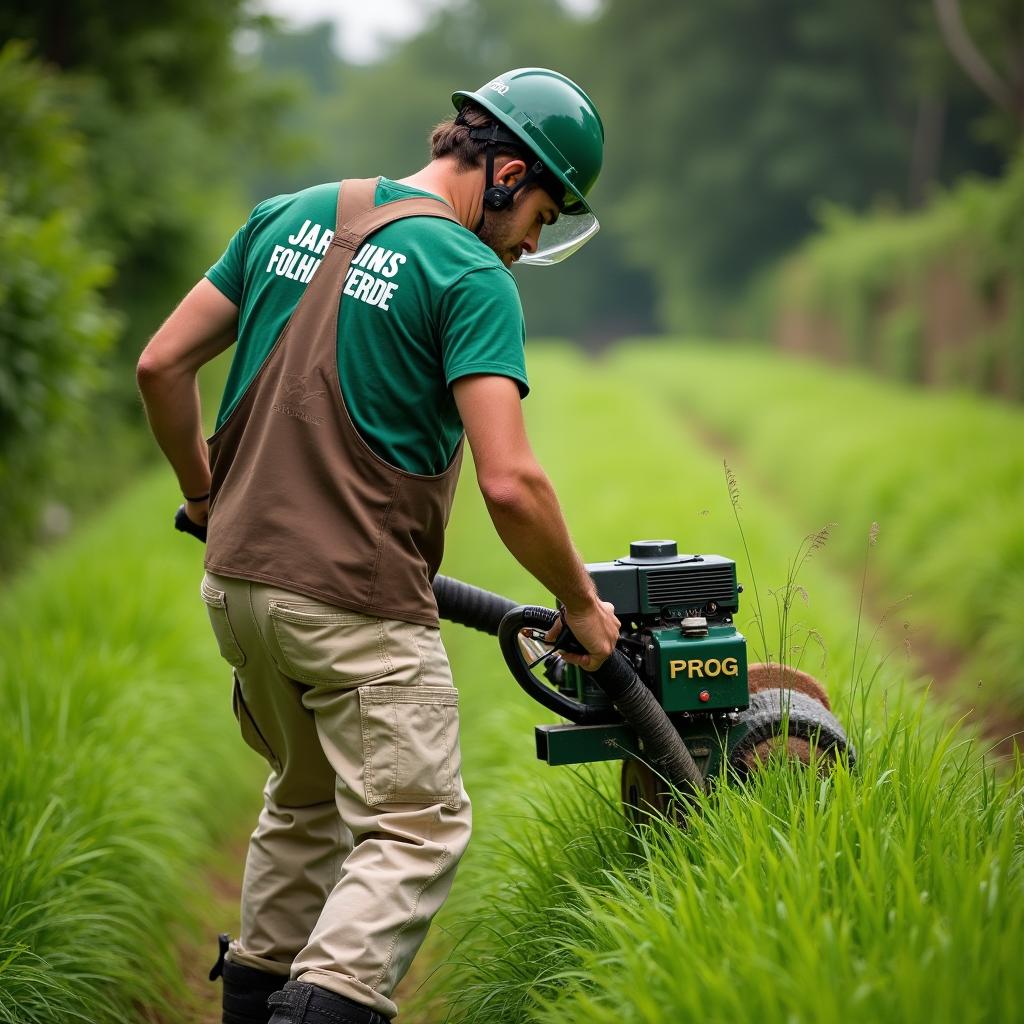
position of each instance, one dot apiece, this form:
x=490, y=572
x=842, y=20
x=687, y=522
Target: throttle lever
x=566, y=640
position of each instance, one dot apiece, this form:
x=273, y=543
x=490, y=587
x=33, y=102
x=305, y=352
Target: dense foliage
x=159, y=99
x=54, y=325
x=934, y=297
x=735, y=119
x=114, y=198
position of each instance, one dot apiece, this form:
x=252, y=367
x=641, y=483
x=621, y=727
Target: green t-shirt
x=426, y=302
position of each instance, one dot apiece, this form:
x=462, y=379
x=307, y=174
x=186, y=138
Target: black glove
x=186, y=525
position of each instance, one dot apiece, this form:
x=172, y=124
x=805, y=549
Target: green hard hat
x=556, y=119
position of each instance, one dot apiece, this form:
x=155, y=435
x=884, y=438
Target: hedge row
x=932, y=297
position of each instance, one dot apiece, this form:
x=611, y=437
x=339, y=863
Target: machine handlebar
x=186, y=525
x=534, y=617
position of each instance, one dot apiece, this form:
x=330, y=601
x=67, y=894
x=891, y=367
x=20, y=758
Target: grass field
x=121, y=767
x=943, y=475
x=867, y=897
x=893, y=893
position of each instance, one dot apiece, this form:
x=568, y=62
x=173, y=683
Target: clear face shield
x=560, y=240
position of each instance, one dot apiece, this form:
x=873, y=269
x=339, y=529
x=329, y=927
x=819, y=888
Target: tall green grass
x=791, y=899
x=875, y=897
x=892, y=895
x=122, y=768
x=888, y=894
x=942, y=474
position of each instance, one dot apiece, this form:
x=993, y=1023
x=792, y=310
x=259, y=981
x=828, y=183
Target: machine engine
x=677, y=702
x=677, y=629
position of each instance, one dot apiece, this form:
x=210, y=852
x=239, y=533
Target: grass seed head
x=887, y=611
x=734, y=487
x=820, y=539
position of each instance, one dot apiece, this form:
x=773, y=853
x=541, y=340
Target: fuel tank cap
x=652, y=552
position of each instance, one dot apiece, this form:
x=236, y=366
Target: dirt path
x=217, y=902
x=999, y=724
x=216, y=899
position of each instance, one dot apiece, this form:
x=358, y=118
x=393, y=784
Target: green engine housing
x=676, y=614
x=699, y=673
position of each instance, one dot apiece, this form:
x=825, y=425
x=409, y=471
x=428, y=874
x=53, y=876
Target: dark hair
x=451, y=138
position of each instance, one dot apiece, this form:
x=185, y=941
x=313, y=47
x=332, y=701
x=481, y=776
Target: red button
x=705, y=696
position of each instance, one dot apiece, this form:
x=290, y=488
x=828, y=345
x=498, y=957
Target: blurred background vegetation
x=838, y=181
x=834, y=179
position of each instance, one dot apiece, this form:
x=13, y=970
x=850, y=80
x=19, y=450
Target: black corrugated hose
x=470, y=606
x=662, y=744
x=480, y=609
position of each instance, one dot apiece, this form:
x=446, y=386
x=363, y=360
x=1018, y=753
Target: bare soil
x=217, y=899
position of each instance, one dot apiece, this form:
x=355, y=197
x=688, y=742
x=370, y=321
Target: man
x=375, y=324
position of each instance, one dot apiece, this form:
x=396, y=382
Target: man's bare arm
x=525, y=511
x=204, y=324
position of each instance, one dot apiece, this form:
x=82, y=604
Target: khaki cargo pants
x=364, y=814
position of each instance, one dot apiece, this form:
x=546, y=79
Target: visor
x=560, y=240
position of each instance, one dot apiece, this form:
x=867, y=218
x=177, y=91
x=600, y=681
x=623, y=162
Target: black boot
x=301, y=1003
x=246, y=989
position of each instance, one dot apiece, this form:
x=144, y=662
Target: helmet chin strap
x=499, y=197
x=488, y=184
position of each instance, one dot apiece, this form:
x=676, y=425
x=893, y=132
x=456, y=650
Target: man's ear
x=510, y=172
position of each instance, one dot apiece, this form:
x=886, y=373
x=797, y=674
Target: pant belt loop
x=302, y=995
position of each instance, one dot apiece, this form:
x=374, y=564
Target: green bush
x=868, y=276
x=54, y=326
x=118, y=188
x=901, y=352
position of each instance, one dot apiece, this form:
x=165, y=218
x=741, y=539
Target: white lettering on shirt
x=362, y=282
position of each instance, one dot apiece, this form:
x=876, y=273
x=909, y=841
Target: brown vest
x=298, y=499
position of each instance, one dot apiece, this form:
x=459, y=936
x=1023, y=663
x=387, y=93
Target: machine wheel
x=645, y=795
x=772, y=676
x=811, y=730
x=643, y=792
x=795, y=748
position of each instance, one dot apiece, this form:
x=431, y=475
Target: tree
x=998, y=23
x=54, y=326
x=738, y=117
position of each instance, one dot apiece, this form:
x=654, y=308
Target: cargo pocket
x=411, y=745
x=320, y=645
x=251, y=733
x=216, y=606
